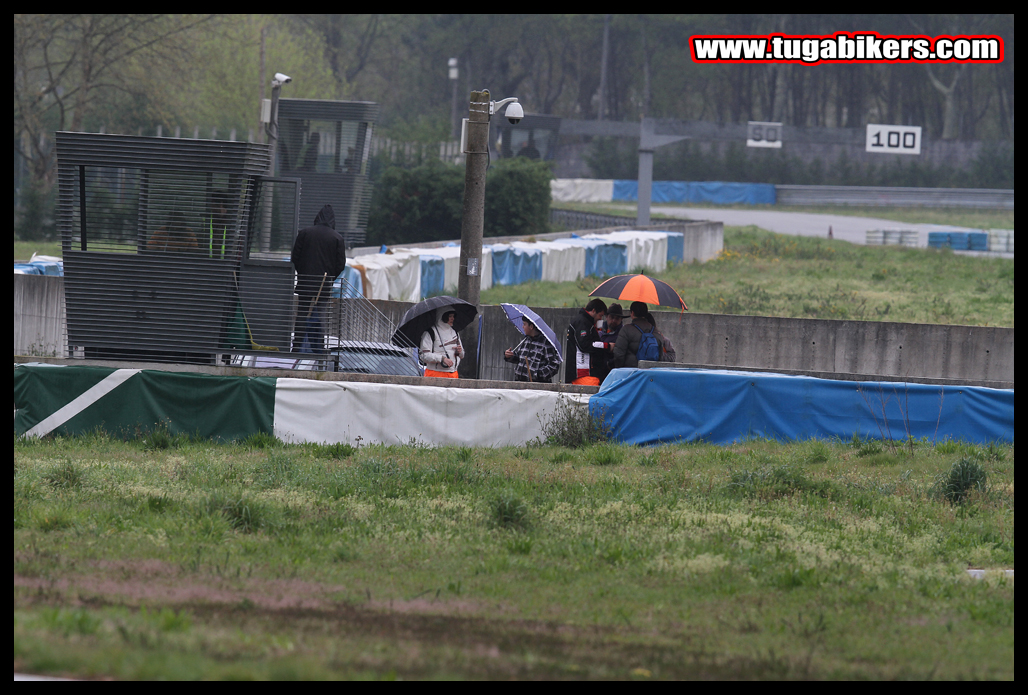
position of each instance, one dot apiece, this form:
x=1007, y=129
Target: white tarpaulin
x=451, y=264
x=582, y=190
x=645, y=249
x=561, y=262
x=392, y=276
x=333, y=412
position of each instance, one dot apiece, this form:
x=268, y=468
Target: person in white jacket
x=441, y=349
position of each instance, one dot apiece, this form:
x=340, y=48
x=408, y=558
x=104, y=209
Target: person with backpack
x=638, y=340
x=667, y=350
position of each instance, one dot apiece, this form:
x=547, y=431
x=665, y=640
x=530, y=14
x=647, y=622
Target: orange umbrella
x=639, y=288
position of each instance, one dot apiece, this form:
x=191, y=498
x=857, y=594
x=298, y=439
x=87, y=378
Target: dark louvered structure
x=177, y=250
x=171, y=246
x=326, y=144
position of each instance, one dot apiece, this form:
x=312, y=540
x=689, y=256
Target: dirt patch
x=157, y=582
x=423, y=606
x=494, y=646
x=160, y=588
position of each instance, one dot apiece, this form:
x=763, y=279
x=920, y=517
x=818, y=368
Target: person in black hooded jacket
x=319, y=256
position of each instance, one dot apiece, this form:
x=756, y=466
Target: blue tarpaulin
x=433, y=275
x=653, y=406
x=54, y=268
x=675, y=247
x=603, y=259
x=515, y=266
x=353, y=285
x=959, y=239
x=718, y=192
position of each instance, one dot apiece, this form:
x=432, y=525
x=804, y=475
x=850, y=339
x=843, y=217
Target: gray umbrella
x=515, y=312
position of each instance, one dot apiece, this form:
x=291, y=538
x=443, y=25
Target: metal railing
x=897, y=196
x=1001, y=240
x=891, y=237
x=571, y=220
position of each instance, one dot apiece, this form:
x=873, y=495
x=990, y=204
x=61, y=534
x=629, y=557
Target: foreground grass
x=174, y=559
x=765, y=274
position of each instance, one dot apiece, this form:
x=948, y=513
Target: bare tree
x=62, y=63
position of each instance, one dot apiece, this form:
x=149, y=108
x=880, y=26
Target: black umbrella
x=421, y=317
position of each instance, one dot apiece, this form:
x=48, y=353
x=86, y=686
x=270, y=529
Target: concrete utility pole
x=454, y=73
x=476, y=151
x=469, y=283
x=602, y=112
x=264, y=32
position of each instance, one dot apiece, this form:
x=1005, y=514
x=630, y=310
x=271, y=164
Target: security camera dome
x=515, y=113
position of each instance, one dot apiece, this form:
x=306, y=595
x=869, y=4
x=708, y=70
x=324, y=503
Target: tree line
x=126, y=72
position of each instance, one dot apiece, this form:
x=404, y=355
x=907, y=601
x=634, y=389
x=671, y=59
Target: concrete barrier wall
x=703, y=241
x=973, y=353
x=968, y=353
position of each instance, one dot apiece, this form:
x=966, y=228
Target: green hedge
x=517, y=197
x=426, y=203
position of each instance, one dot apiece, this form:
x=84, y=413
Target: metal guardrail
x=891, y=237
x=901, y=197
x=570, y=220
x=1001, y=240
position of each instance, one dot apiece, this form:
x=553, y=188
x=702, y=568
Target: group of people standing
x=599, y=341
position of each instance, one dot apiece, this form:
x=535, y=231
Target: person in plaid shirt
x=535, y=359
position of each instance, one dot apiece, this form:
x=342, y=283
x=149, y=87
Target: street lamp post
x=272, y=130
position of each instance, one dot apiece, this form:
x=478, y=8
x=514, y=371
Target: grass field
x=765, y=274
x=23, y=250
x=962, y=217
x=165, y=558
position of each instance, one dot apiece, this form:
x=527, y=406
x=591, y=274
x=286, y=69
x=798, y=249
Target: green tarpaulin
x=124, y=402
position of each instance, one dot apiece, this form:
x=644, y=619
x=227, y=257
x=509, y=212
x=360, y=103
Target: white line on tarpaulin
x=88, y=398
